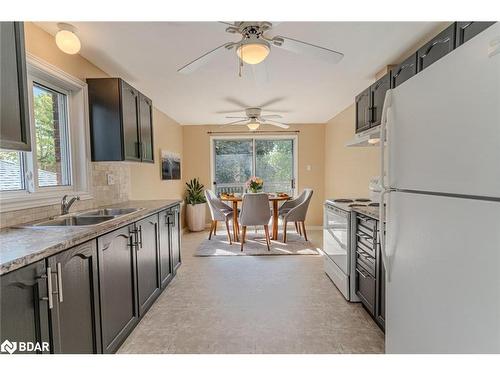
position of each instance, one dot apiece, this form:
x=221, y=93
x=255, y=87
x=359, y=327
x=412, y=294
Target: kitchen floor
x=253, y=304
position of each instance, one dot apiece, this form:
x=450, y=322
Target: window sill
x=25, y=200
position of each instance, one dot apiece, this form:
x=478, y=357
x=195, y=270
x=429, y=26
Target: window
x=58, y=162
x=11, y=171
x=51, y=136
x=236, y=160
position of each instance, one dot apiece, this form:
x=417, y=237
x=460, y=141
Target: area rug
x=255, y=244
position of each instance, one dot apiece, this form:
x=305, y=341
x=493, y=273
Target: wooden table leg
x=235, y=221
x=275, y=220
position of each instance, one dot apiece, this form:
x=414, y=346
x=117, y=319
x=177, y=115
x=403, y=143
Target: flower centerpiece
x=255, y=184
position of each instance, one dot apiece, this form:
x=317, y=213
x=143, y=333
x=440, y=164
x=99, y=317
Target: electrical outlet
x=308, y=168
x=111, y=178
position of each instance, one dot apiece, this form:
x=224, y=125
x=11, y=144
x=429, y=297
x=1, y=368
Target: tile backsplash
x=103, y=194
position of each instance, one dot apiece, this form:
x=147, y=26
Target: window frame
x=79, y=144
x=254, y=137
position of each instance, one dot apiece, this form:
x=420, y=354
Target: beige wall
x=146, y=182
x=133, y=180
x=311, y=143
x=347, y=169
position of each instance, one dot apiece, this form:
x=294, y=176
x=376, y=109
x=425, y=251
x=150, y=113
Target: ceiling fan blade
x=240, y=117
x=229, y=112
x=237, y=103
x=233, y=123
x=276, y=123
x=270, y=116
x=271, y=102
x=297, y=46
x=202, y=60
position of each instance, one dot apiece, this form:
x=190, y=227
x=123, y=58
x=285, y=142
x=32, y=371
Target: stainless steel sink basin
x=109, y=212
x=74, y=221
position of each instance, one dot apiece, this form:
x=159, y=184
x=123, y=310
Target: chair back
x=299, y=212
x=255, y=209
x=214, y=206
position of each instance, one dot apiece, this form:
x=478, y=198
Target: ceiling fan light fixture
x=253, y=125
x=253, y=51
x=67, y=40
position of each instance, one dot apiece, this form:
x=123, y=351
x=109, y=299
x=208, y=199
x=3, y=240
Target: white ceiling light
x=253, y=51
x=253, y=125
x=67, y=40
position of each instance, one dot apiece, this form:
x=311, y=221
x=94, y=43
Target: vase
x=195, y=216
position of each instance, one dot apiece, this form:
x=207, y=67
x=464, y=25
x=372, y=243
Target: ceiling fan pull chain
x=240, y=67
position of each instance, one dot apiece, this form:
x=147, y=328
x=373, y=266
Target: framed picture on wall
x=170, y=165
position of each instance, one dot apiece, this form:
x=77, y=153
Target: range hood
x=368, y=138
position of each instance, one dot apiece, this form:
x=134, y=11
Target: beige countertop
x=20, y=246
x=372, y=212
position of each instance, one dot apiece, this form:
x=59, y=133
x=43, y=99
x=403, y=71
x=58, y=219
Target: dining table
x=273, y=198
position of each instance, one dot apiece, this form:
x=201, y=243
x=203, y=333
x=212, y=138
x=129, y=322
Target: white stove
x=339, y=259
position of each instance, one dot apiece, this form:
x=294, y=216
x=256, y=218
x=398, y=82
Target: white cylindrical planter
x=195, y=216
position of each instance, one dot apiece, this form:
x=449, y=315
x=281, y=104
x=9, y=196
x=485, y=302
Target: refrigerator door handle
x=383, y=136
x=383, y=248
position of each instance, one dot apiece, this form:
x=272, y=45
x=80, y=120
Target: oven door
x=336, y=237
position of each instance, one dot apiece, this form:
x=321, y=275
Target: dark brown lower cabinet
x=24, y=305
x=148, y=262
x=380, y=295
x=100, y=288
x=365, y=288
x=75, y=319
x=166, y=265
x=117, y=281
x=175, y=236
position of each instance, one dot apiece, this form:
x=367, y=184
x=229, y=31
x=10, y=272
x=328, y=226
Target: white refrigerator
x=441, y=163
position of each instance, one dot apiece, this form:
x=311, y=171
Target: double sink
x=91, y=217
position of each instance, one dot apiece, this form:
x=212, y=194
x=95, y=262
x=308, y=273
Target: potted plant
x=255, y=184
x=195, y=205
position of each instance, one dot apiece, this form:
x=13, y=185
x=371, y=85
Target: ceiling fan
x=255, y=45
x=254, y=119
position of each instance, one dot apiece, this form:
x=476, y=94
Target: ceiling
x=302, y=89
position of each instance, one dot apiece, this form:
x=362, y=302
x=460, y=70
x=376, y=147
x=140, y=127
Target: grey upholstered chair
x=255, y=211
x=296, y=210
x=220, y=212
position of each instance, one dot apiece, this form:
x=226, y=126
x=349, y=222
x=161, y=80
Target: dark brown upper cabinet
x=121, y=122
x=404, y=71
x=146, y=121
x=378, y=90
x=14, y=117
x=436, y=48
x=466, y=30
x=363, y=111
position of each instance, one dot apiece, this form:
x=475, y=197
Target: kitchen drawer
x=365, y=288
x=366, y=222
x=366, y=261
x=370, y=249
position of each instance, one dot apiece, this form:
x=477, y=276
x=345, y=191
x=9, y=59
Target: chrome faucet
x=65, y=204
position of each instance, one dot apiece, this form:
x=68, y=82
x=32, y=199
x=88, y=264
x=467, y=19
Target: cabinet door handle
x=140, y=236
x=49, y=297
x=59, y=282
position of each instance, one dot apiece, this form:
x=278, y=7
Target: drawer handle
x=361, y=273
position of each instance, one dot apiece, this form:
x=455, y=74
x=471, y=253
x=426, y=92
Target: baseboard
x=289, y=226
